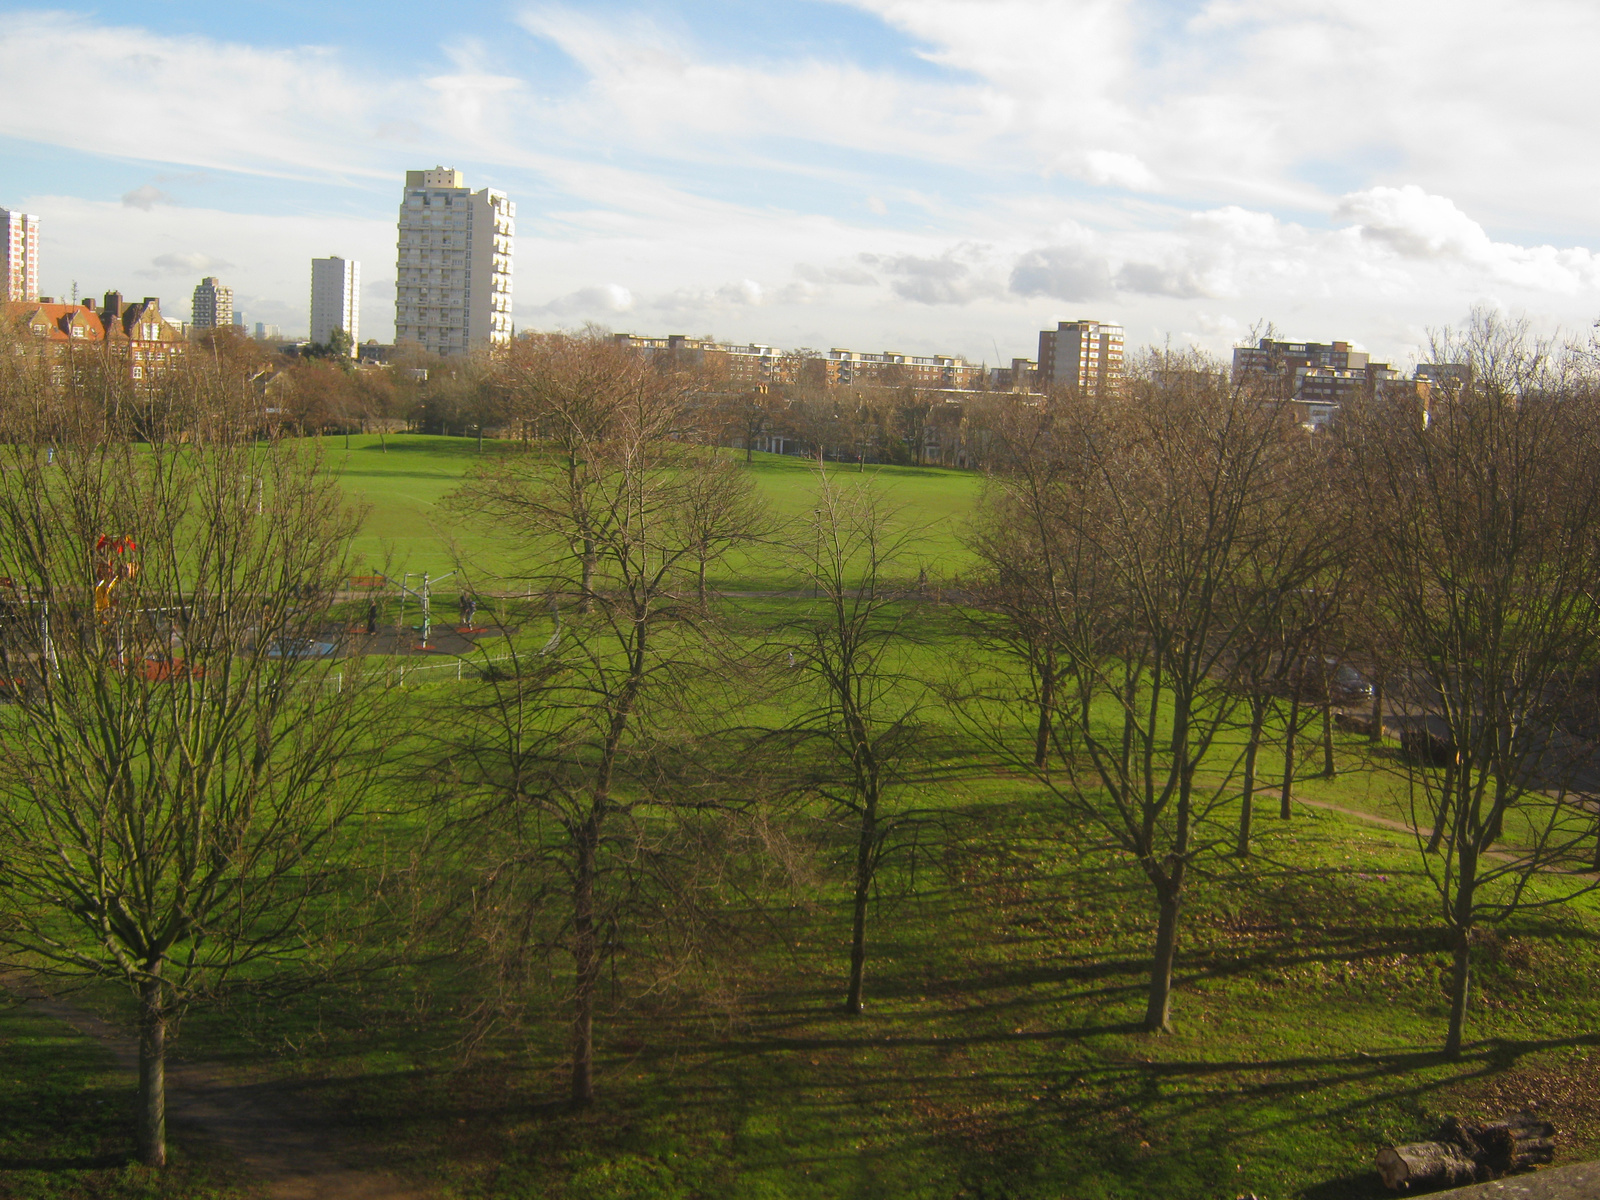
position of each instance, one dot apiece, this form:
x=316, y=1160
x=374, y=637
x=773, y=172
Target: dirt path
x=263, y=1125
x=1404, y=827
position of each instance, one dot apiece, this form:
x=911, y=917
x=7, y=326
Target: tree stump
x=1466, y=1152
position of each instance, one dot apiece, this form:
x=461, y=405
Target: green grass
x=67, y=1131
x=998, y=1055
x=998, y=1058
x=402, y=485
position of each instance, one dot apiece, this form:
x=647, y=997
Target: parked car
x=1349, y=684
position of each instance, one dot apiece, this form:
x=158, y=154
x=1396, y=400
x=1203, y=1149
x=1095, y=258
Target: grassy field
x=998, y=1058
x=402, y=479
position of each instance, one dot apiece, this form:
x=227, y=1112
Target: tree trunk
x=863, y=892
x=1258, y=711
x=1497, y=814
x=588, y=573
x=1328, y=769
x=1130, y=693
x=1461, y=967
x=1289, y=737
x=1158, y=1008
x=1466, y=1152
x=152, y=1121
x=1446, y=801
x=586, y=960
x=1375, y=734
x=1425, y=1165
x=1041, y=738
x=1460, y=986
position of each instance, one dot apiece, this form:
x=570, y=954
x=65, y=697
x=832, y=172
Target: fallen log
x=1464, y=1152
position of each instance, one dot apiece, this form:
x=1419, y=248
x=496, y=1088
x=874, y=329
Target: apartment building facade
x=1317, y=377
x=852, y=368
x=738, y=364
x=1084, y=355
x=213, y=304
x=756, y=363
x=139, y=341
x=454, y=265
x=335, y=299
x=19, y=266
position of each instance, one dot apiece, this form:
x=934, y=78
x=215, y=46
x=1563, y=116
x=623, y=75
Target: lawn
x=402, y=478
x=998, y=1057
x=68, y=1127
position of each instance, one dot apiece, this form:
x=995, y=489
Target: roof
x=54, y=321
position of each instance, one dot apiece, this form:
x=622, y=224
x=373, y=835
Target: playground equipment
x=424, y=598
x=113, y=565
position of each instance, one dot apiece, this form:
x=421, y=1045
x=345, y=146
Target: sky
x=924, y=176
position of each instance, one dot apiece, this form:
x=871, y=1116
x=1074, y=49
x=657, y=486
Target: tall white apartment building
x=335, y=299
x=213, y=305
x=19, y=268
x=453, y=285
x=1085, y=355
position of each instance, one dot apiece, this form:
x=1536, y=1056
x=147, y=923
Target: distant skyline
x=916, y=175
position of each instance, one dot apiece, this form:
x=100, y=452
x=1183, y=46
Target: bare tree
x=751, y=415
x=1150, y=533
x=182, y=766
x=575, y=761
x=861, y=732
x=721, y=511
x=1482, y=545
x=1015, y=607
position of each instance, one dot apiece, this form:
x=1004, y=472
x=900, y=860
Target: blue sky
x=920, y=175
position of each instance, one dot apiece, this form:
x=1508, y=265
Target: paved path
x=1580, y=1181
x=260, y=1124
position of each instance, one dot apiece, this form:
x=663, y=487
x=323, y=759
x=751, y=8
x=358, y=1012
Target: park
x=830, y=919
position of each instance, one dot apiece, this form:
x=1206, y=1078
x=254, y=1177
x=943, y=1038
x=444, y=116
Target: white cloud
x=1317, y=161
x=145, y=197
x=1417, y=225
x=173, y=263
x=609, y=298
x=1077, y=270
x=959, y=275
x=200, y=102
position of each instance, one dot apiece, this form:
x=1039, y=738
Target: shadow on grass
x=84, y=1162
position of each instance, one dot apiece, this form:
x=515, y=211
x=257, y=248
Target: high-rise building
x=335, y=299
x=19, y=268
x=213, y=305
x=1085, y=355
x=453, y=285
